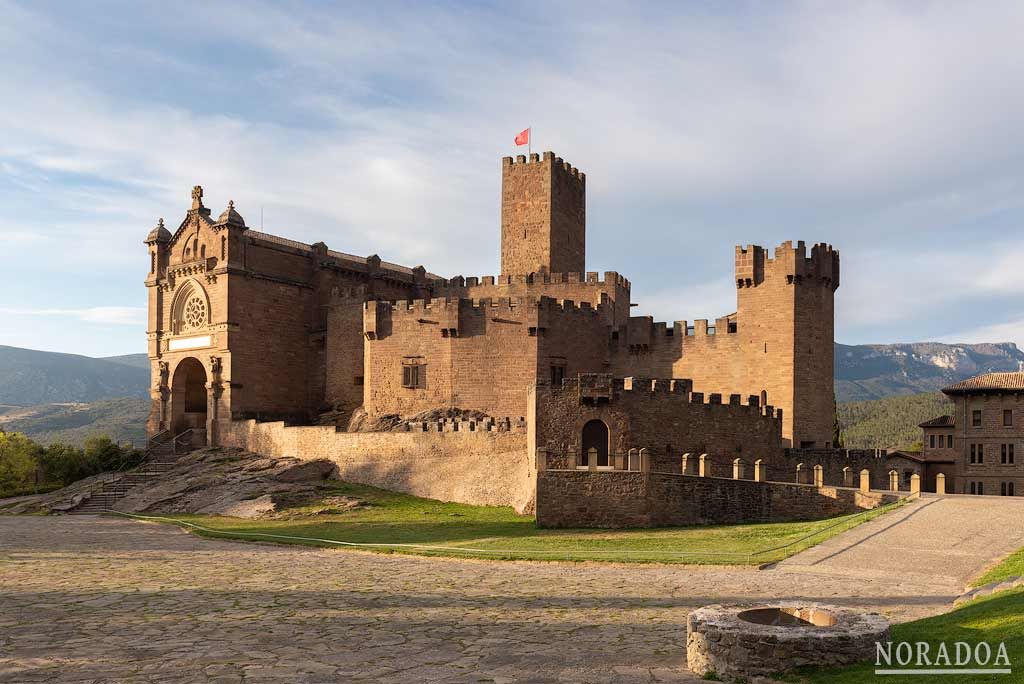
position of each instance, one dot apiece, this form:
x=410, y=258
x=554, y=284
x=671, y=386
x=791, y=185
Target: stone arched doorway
x=188, y=396
x=595, y=444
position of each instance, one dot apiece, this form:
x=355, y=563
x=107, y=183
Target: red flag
x=523, y=138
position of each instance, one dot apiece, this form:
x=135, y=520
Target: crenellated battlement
x=788, y=264
x=507, y=424
x=597, y=386
x=609, y=279
x=643, y=332
x=456, y=317
x=485, y=305
x=548, y=158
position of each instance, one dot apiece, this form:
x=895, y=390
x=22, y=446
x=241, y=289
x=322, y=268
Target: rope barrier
x=507, y=552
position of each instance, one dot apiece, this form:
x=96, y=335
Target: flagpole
x=529, y=143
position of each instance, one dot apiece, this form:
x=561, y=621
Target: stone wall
x=482, y=467
x=779, y=341
x=615, y=499
x=663, y=416
x=477, y=355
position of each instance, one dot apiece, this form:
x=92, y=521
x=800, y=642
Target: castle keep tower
x=785, y=312
x=543, y=215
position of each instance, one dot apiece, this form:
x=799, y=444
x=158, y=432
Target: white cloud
x=876, y=127
x=107, y=315
x=1006, y=331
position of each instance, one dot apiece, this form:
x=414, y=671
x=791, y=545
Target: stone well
x=745, y=641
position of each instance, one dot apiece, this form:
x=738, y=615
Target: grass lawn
x=994, y=618
x=1012, y=566
x=465, y=531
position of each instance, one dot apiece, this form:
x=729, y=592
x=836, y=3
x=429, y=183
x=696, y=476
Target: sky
x=890, y=130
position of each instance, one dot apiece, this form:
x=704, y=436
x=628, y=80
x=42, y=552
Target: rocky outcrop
x=213, y=481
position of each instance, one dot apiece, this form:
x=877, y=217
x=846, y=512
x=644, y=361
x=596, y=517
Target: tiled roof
x=941, y=421
x=921, y=457
x=990, y=382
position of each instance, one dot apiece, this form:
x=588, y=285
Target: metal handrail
x=157, y=439
x=178, y=439
x=148, y=454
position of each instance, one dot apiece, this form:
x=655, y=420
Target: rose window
x=195, y=313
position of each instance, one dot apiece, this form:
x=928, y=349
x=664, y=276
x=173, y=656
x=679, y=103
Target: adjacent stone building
x=983, y=436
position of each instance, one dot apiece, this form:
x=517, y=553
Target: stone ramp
x=939, y=541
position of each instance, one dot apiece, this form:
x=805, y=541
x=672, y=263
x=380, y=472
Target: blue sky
x=891, y=130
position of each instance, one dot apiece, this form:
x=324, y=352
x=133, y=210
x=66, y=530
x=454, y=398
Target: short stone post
x=688, y=464
x=759, y=475
x=542, y=459
x=737, y=469
x=819, y=475
x=894, y=481
x=940, y=483
x=645, y=460
x=865, y=480
x=915, y=484
x=592, y=458
x=800, y=473
x=705, y=465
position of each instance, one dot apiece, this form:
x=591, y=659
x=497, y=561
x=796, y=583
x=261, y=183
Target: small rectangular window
x=931, y=442
x=1007, y=417
x=557, y=375
x=413, y=377
x=974, y=488
x=981, y=488
x=1002, y=454
x=974, y=453
x=1009, y=448
x=976, y=418
x=1002, y=489
x=981, y=453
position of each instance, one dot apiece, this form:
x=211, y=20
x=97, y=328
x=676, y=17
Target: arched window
x=595, y=443
x=152, y=262
x=1009, y=489
x=191, y=308
x=202, y=252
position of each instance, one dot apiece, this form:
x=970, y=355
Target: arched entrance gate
x=595, y=444
x=188, y=396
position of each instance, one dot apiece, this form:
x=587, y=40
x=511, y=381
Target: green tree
x=19, y=459
x=63, y=463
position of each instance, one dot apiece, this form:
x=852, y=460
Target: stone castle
x=251, y=332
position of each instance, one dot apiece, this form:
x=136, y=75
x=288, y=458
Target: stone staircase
x=161, y=455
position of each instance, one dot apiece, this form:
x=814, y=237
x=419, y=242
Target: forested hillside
x=891, y=422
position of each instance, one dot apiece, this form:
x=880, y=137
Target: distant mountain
x=122, y=420
x=874, y=371
x=135, y=360
x=29, y=377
